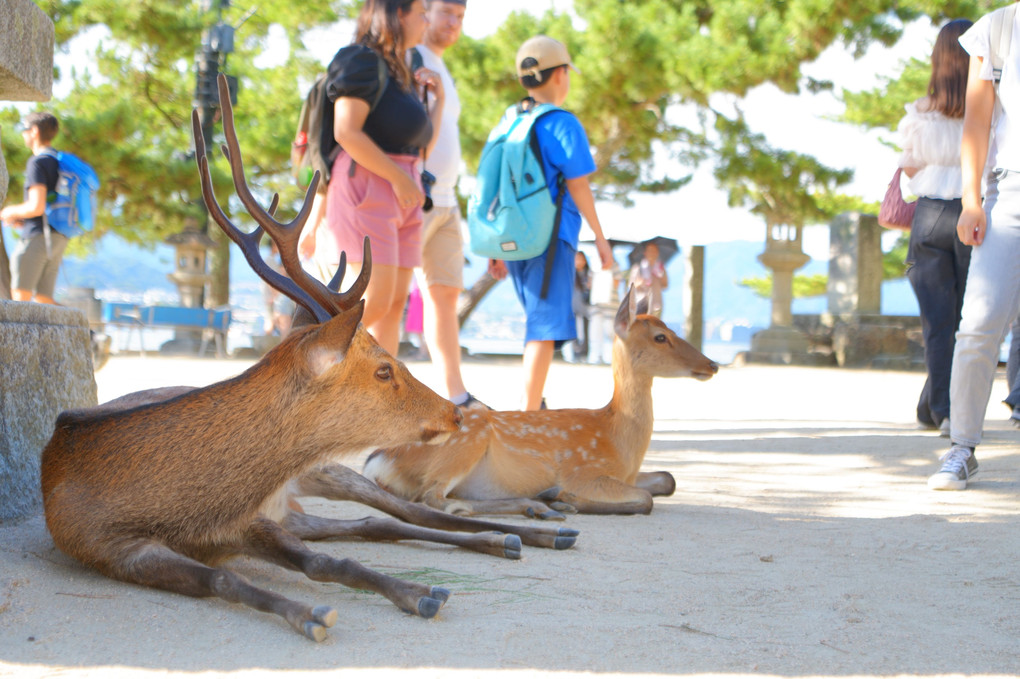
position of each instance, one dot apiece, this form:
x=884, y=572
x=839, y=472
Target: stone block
x=855, y=264
x=45, y=368
x=26, y=52
x=874, y=341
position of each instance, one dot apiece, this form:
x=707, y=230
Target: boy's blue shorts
x=551, y=318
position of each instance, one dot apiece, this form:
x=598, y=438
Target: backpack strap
x=47, y=230
x=523, y=106
x=383, y=74
x=1001, y=35
x=550, y=253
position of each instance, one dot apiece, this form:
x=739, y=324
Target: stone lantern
x=191, y=249
x=190, y=252
x=781, y=342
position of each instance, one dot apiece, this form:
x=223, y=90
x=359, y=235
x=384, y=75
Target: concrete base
x=783, y=346
x=876, y=341
x=45, y=368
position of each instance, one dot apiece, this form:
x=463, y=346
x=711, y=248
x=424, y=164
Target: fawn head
x=649, y=347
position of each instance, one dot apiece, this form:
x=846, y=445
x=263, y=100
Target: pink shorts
x=365, y=205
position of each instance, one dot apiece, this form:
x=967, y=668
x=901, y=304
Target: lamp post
x=217, y=43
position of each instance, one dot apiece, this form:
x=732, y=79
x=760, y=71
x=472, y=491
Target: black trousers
x=937, y=264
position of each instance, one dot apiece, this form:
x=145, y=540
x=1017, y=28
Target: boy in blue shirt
x=543, y=66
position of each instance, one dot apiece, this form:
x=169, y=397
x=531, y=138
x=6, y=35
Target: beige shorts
x=442, y=255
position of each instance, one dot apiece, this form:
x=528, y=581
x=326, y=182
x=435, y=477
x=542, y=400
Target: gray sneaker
x=958, y=465
x=1014, y=417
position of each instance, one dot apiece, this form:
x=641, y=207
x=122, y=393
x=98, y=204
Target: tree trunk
x=473, y=296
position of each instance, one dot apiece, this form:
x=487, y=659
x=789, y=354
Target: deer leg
x=656, y=483
x=534, y=509
x=155, y=565
x=371, y=528
x=337, y=482
x=268, y=540
x=606, y=495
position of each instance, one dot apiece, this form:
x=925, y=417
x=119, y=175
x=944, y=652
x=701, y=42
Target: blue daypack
x=511, y=215
x=71, y=208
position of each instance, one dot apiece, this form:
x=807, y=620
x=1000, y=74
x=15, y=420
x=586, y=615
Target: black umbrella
x=667, y=250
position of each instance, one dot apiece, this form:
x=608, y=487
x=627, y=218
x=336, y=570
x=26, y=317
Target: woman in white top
x=937, y=261
x=992, y=299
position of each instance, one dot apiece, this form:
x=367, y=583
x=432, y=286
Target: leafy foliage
x=803, y=285
x=655, y=76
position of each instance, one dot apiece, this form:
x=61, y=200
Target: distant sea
x=119, y=271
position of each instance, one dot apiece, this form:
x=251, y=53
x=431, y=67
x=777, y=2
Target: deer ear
x=301, y=318
x=625, y=314
x=641, y=306
x=333, y=338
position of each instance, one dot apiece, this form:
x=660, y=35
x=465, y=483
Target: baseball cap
x=540, y=53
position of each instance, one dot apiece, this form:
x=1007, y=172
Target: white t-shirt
x=931, y=143
x=444, y=160
x=1004, y=151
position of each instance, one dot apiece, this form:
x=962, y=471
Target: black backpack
x=315, y=147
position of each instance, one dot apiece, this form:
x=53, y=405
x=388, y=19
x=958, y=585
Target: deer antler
x=321, y=301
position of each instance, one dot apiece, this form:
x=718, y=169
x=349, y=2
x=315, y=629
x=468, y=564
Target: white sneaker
x=944, y=428
x=958, y=465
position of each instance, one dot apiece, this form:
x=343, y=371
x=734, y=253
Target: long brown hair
x=947, y=89
x=379, y=28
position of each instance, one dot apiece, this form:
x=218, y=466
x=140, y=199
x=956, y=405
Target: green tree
x=652, y=70
x=129, y=113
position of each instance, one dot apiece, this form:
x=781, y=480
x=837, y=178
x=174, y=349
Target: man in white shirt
x=441, y=277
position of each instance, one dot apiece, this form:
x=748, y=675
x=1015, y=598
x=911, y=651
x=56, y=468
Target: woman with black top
x=382, y=126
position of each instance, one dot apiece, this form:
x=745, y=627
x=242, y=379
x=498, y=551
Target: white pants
x=990, y=304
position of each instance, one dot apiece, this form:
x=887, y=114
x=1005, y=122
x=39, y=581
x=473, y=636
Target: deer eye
x=660, y=338
x=385, y=373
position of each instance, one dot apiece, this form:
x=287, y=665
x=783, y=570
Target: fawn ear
x=301, y=318
x=333, y=338
x=626, y=313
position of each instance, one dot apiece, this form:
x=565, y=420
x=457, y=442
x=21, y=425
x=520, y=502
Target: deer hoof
x=549, y=493
x=322, y=617
x=512, y=547
x=565, y=541
x=441, y=594
x=563, y=507
x=325, y=615
x=428, y=606
x=546, y=515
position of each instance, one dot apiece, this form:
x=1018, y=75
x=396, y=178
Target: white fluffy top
x=931, y=143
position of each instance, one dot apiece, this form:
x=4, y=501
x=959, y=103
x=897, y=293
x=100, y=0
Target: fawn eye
x=660, y=338
x=384, y=373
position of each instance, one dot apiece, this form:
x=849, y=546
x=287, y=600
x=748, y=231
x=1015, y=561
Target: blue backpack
x=511, y=215
x=71, y=209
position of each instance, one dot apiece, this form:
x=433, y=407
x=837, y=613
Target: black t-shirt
x=399, y=122
x=41, y=169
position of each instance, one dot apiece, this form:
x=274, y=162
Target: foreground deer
x=541, y=461
x=341, y=483
x=160, y=494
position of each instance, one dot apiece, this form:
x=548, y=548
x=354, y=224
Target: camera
x=427, y=180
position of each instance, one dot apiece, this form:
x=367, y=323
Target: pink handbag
x=895, y=212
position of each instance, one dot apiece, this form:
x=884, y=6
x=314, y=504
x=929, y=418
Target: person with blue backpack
x=543, y=67
x=36, y=259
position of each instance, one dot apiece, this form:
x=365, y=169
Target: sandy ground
x=801, y=541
